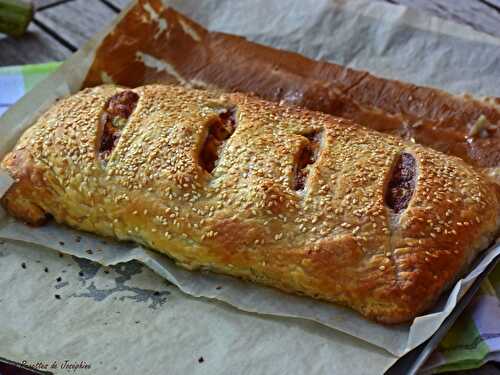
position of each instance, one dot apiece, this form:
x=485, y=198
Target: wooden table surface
x=60, y=27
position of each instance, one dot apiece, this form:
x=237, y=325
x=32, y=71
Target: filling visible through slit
x=218, y=133
x=116, y=113
x=402, y=183
x=307, y=156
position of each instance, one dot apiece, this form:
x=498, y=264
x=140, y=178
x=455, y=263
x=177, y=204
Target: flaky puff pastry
x=287, y=197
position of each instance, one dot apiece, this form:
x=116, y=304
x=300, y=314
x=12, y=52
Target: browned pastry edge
x=192, y=56
x=331, y=237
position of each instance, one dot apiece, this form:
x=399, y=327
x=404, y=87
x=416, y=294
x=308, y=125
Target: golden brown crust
x=187, y=53
x=333, y=238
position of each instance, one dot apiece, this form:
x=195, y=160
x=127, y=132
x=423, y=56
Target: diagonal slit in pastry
x=219, y=131
x=115, y=115
x=401, y=184
x=308, y=155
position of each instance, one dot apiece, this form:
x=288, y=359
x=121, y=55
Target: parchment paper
x=389, y=41
x=126, y=320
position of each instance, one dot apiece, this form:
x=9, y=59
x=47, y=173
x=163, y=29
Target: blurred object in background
x=15, y=16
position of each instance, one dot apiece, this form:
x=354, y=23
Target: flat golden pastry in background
x=189, y=54
x=287, y=197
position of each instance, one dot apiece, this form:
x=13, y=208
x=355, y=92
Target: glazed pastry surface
x=287, y=197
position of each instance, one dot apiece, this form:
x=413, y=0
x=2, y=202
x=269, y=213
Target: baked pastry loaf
x=283, y=196
x=184, y=52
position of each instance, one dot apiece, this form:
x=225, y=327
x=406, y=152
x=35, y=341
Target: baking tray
x=413, y=361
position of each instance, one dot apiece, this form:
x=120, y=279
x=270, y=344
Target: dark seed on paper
x=57, y=296
x=23, y=265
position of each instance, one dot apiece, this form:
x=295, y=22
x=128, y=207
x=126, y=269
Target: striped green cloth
x=15, y=81
x=473, y=340
x=475, y=337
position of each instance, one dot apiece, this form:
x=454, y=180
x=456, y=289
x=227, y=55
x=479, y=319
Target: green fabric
x=35, y=73
x=463, y=341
